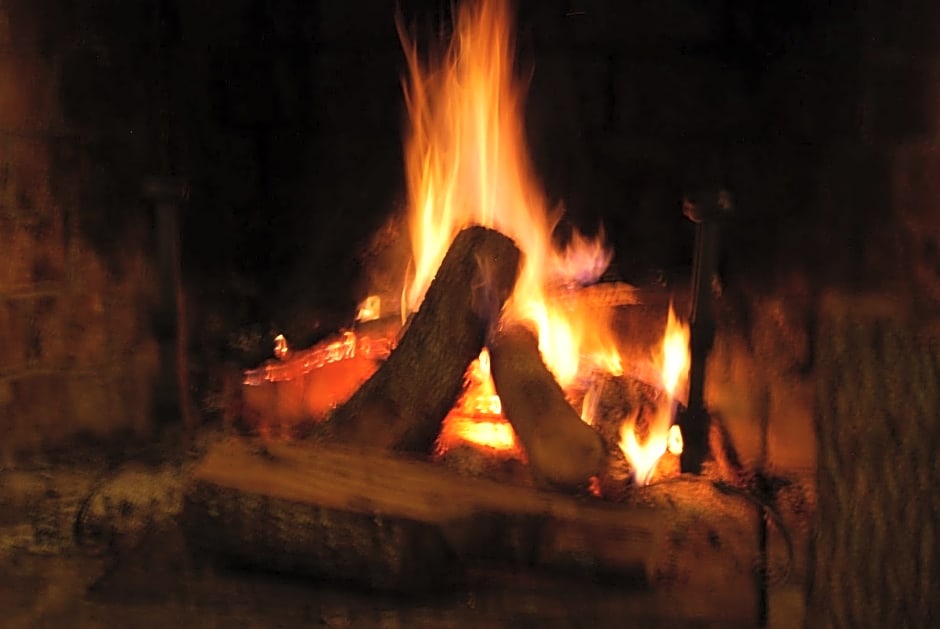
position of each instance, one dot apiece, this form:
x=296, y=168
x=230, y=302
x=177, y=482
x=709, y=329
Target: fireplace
x=211, y=235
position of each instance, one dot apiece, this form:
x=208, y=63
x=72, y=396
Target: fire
x=483, y=399
x=477, y=418
x=466, y=163
x=673, y=360
x=496, y=434
x=675, y=354
x=674, y=442
x=281, y=349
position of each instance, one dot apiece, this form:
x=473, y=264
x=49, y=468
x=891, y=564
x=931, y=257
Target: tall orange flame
x=466, y=163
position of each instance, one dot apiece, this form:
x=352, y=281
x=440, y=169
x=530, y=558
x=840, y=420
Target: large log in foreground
x=561, y=448
x=403, y=404
x=392, y=523
x=875, y=561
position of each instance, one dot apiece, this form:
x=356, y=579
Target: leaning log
x=561, y=448
x=384, y=521
x=402, y=405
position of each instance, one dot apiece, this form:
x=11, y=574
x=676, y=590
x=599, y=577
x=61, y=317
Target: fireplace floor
x=140, y=572
x=150, y=591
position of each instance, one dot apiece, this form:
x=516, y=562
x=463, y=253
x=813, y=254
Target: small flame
x=674, y=443
x=675, y=354
x=674, y=359
x=281, y=349
x=477, y=417
x=370, y=309
x=496, y=434
x=481, y=398
x=583, y=261
x=643, y=458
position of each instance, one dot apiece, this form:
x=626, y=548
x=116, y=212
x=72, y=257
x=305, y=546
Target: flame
x=370, y=309
x=673, y=360
x=481, y=398
x=466, y=163
x=496, y=434
x=674, y=443
x=477, y=418
x=281, y=349
x=675, y=353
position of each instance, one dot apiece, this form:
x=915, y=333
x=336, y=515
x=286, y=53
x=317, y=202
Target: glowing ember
x=674, y=362
x=281, y=350
x=481, y=398
x=466, y=163
x=293, y=364
x=477, y=417
x=674, y=442
x=370, y=309
x=496, y=434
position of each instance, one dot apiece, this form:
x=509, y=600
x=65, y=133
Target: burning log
x=561, y=448
x=403, y=404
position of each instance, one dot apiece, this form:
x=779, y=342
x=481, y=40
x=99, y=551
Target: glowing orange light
x=281, y=350
x=674, y=443
x=477, y=417
x=370, y=309
x=493, y=433
x=466, y=163
x=675, y=354
x=674, y=359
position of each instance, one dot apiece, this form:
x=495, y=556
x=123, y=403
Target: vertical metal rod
x=695, y=420
x=166, y=194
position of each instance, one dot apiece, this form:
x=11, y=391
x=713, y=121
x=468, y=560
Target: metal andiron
x=707, y=213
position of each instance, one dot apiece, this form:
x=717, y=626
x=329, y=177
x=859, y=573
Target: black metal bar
x=694, y=420
x=166, y=194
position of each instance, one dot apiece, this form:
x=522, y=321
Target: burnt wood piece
x=402, y=405
x=561, y=448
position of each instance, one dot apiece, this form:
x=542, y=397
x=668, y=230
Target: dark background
x=286, y=120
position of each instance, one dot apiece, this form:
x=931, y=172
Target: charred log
x=561, y=448
x=403, y=404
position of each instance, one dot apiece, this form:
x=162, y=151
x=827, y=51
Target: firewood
x=561, y=448
x=877, y=436
x=403, y=404
x=388, y=522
